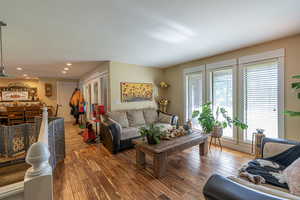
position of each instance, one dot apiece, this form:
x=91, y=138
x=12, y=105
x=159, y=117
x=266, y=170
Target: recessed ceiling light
x=66, y=68
x=25, y=75
x=19, y=68
x=68, y=64
x=64, y=72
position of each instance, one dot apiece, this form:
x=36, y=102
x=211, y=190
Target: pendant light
x=2, y=73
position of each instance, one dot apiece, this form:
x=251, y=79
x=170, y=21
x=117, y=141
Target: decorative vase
x=190, y=124
x=151, y=140
x=186, y=127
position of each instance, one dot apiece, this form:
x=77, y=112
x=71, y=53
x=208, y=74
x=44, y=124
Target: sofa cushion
x=150, y=116
x=128, y=133
x=119, y=117
x=165, y=118
x=292, y=177
x=272, y=148
x=136, y=117
x=163, y=126
x=265, y=188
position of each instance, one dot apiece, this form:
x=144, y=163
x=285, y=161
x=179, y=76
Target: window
x=261, y=97
x=250, y=88
x=222, y=94
x=194, y=95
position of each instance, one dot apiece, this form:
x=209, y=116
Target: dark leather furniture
x=221, y=188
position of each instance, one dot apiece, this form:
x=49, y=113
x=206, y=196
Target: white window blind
x=194, y=95
x=261, y=89
x=222, y=94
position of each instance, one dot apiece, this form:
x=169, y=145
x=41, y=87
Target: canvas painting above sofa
x=132, y=92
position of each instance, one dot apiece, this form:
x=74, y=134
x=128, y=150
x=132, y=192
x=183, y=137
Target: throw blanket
x=269, y=170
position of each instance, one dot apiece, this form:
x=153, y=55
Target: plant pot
x=151, y=140
x=217, y=132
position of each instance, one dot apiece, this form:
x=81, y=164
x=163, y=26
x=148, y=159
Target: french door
x=195, y=94
x=261, y=97
x=214, y=84
x=221, y=94
x=249, y=88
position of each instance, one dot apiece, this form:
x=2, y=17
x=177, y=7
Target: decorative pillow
x=119, y=117
x=292, y=177
x=150, y=116
x=164, y=118
x=136, y=117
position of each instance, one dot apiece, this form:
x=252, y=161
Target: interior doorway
x=64, y=92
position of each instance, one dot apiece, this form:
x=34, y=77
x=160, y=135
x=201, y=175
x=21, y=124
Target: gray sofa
x=235, y=188
x=118, y=128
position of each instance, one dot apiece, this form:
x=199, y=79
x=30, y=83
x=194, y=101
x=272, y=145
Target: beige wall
x=51, y=101
x=173, y=75
x=121, y=72
x=102, y=67
x=5, y=81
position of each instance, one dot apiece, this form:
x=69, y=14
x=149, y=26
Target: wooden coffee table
x=161, y=151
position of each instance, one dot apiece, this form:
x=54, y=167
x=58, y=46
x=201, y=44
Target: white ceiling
x=42, y=35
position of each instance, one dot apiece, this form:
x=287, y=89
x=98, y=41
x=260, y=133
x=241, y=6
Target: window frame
x=223, y=65
x=186, y=73
x=217, y=67
x=238, y=101
x=280, y=81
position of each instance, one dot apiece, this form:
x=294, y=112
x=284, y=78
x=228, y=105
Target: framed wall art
x=48, y=89
x=15, y=96
x=133, y=92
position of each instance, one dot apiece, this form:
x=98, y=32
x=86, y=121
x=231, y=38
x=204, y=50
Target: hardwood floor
x=91, y=172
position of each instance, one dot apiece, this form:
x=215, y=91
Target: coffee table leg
x=203, y=148
x=140, y=159
x=159, y=164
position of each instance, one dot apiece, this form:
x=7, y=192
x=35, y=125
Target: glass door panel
x=96, y=92
x=194, y=96
x=222, y=95
x=104, y=92
x=261, y=98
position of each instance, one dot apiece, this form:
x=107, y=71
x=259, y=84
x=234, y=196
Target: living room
x=149, y=100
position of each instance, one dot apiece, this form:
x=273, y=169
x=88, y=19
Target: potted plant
x=212, y=124
x=152, y=133
x=296, y=86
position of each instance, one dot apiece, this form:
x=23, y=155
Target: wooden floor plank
x=90, y=172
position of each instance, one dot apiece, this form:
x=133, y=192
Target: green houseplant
x=211, y=123
x=295, y=85
x=152, y=133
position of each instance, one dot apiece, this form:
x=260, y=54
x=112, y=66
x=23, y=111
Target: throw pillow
x=164, y=118
x=136, y=117
x=119, y=117
x=150, y=116
x=292, y=177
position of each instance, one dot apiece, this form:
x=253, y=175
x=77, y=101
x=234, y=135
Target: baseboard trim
x=239, y=146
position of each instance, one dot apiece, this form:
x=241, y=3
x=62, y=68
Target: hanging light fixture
x=2, y=73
